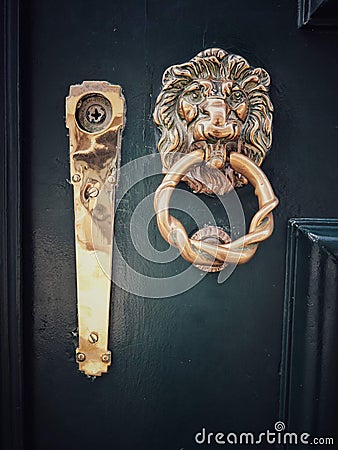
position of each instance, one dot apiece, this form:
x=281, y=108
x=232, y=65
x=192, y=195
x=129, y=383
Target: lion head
x=217, y=102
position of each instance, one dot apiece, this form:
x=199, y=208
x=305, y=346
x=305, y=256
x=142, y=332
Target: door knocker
x=215, y=118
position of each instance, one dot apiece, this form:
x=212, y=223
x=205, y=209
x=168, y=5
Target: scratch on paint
x=205, y=35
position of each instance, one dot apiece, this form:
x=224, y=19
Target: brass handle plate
x=215, y=118
x=95, y=116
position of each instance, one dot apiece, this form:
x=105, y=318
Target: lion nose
x=216, y=125
x=217, y=110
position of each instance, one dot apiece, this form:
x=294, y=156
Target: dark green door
x=213, y=356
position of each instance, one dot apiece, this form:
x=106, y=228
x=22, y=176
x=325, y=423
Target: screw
x=96, y=113
x=80, y=357
x=106, y=357
x=92, y=192
x=112, y=177
x=93, y=337
x=76, y=178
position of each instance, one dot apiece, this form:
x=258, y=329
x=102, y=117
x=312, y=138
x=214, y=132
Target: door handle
x=215, y=118
x=95, y=116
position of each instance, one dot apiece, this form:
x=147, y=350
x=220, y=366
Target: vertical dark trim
x=287, y=321
x=11, y=437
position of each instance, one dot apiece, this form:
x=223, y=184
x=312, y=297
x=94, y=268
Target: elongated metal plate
x=95, y=116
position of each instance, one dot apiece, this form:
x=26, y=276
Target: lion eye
x=194, y=96
x=236, y=98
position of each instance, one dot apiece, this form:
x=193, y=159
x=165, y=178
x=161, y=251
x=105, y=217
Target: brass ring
x=203, y=253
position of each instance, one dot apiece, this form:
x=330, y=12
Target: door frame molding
x=317, y=13
x=310, y=297
x=11, y=318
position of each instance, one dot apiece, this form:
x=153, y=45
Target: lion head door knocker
x=215, y=116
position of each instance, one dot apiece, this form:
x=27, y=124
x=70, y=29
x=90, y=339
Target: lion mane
x=217, y=64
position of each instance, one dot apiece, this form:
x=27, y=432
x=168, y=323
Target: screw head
x=96, y=114
x=91, y=192
x=112, y=177
x=80, y=356
x=76, y=177
x=106, y=357
x=93, y=337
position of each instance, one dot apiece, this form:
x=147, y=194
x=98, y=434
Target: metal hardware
x=106, y=358
x=93, y=112
x=80, y=357
x=212, y=235
x=91, y=192
x=201, y=252
x=93, y=337
x=215, y=116
x=76, y=178
x=95, y=116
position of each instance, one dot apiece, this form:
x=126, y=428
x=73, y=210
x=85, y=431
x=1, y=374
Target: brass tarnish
x=95, y=116
x=215, y=118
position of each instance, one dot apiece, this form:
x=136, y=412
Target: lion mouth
x=215, y=176
x=219, y=149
